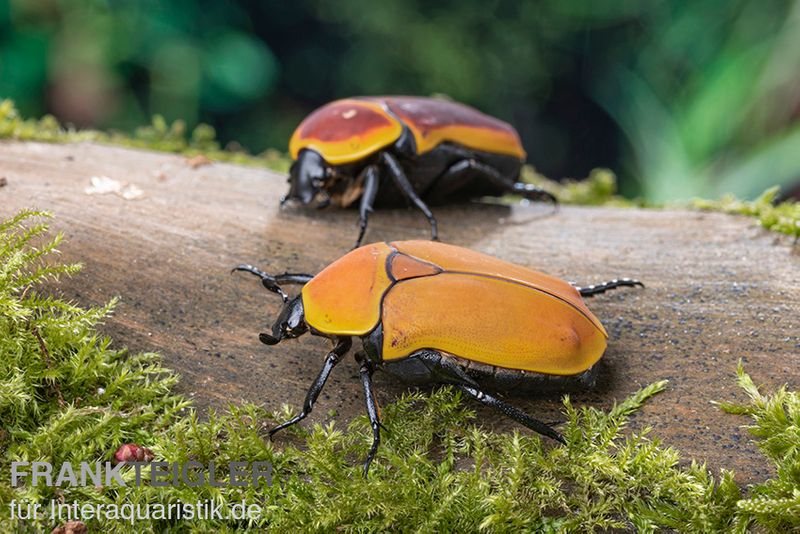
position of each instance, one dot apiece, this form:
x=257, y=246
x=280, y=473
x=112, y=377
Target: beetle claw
x=268, y=339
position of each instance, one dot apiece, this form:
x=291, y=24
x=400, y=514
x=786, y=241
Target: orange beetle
x=428, y=312
x=381, y=150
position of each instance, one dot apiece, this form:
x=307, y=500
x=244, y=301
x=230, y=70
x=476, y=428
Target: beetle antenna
x=270, y=282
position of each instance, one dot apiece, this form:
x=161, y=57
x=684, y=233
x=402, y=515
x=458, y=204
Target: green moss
x=783, y=217
x=600, y=189
x=776, y=423
x=66, y=395
x=597, y=189
x=159, y=135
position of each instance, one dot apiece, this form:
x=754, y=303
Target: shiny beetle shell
x=428, y=295
x=348, y=130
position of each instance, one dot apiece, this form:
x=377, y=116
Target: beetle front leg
x=513, y=412
x=371, y=181
x=366, y=371
x=399, y=177
x=342, y=346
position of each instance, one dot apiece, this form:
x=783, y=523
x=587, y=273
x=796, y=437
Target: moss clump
x=159, y=135
x=775, y=504
x=66, y=395
x=783, y=217
x=597, y=189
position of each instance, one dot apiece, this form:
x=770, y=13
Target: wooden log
x=719, y=288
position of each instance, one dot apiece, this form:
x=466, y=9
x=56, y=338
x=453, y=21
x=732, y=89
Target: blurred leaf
x=240, y=66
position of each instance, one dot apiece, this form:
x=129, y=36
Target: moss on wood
x=67, y=395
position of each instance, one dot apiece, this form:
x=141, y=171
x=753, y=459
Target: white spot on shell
x=349, y=114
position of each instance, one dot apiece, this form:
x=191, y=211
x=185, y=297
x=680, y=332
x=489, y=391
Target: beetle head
x=306, y=180
x=291, y=323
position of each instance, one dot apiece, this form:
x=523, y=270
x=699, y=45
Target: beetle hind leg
x=334, y=357
x=597, y=289
x=513, y=412
x=527, y=191
x=366, y=371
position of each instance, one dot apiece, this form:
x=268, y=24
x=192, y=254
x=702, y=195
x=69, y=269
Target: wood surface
x=719, y=288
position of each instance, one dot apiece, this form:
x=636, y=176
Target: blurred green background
x=680, y=99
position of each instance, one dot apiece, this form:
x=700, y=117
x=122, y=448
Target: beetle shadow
x=459, y=223
x=319, y=237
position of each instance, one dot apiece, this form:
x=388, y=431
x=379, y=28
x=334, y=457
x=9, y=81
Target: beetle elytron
x=428, y=312
x=382, y=149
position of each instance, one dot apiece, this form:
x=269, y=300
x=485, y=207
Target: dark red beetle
x=382, y=150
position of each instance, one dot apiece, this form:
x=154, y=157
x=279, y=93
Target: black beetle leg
x=342, y=346
x=366, y=371
x=454, y=178
x=528, y=191
x=596, y=289
x=399, y=177
x=371, y=181
x=513, y=412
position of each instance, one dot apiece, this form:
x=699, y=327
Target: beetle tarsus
x=399, y=177
x=267, y=339
x=342, y=346
x=366, y=371
x=533, y=192
x=514, y=413
x=596, y=289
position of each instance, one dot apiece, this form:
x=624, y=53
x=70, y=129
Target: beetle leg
x=596, y=289
x=273, y=282
x=399, y=177
x=513, y=412
x=528, y=191
x=366, y=371
x=454, y=178
x=371, y=180
x=342, y=346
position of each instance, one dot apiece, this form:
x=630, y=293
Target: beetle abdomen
x=489, y=320
x=519, y=381
x=435, y=367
